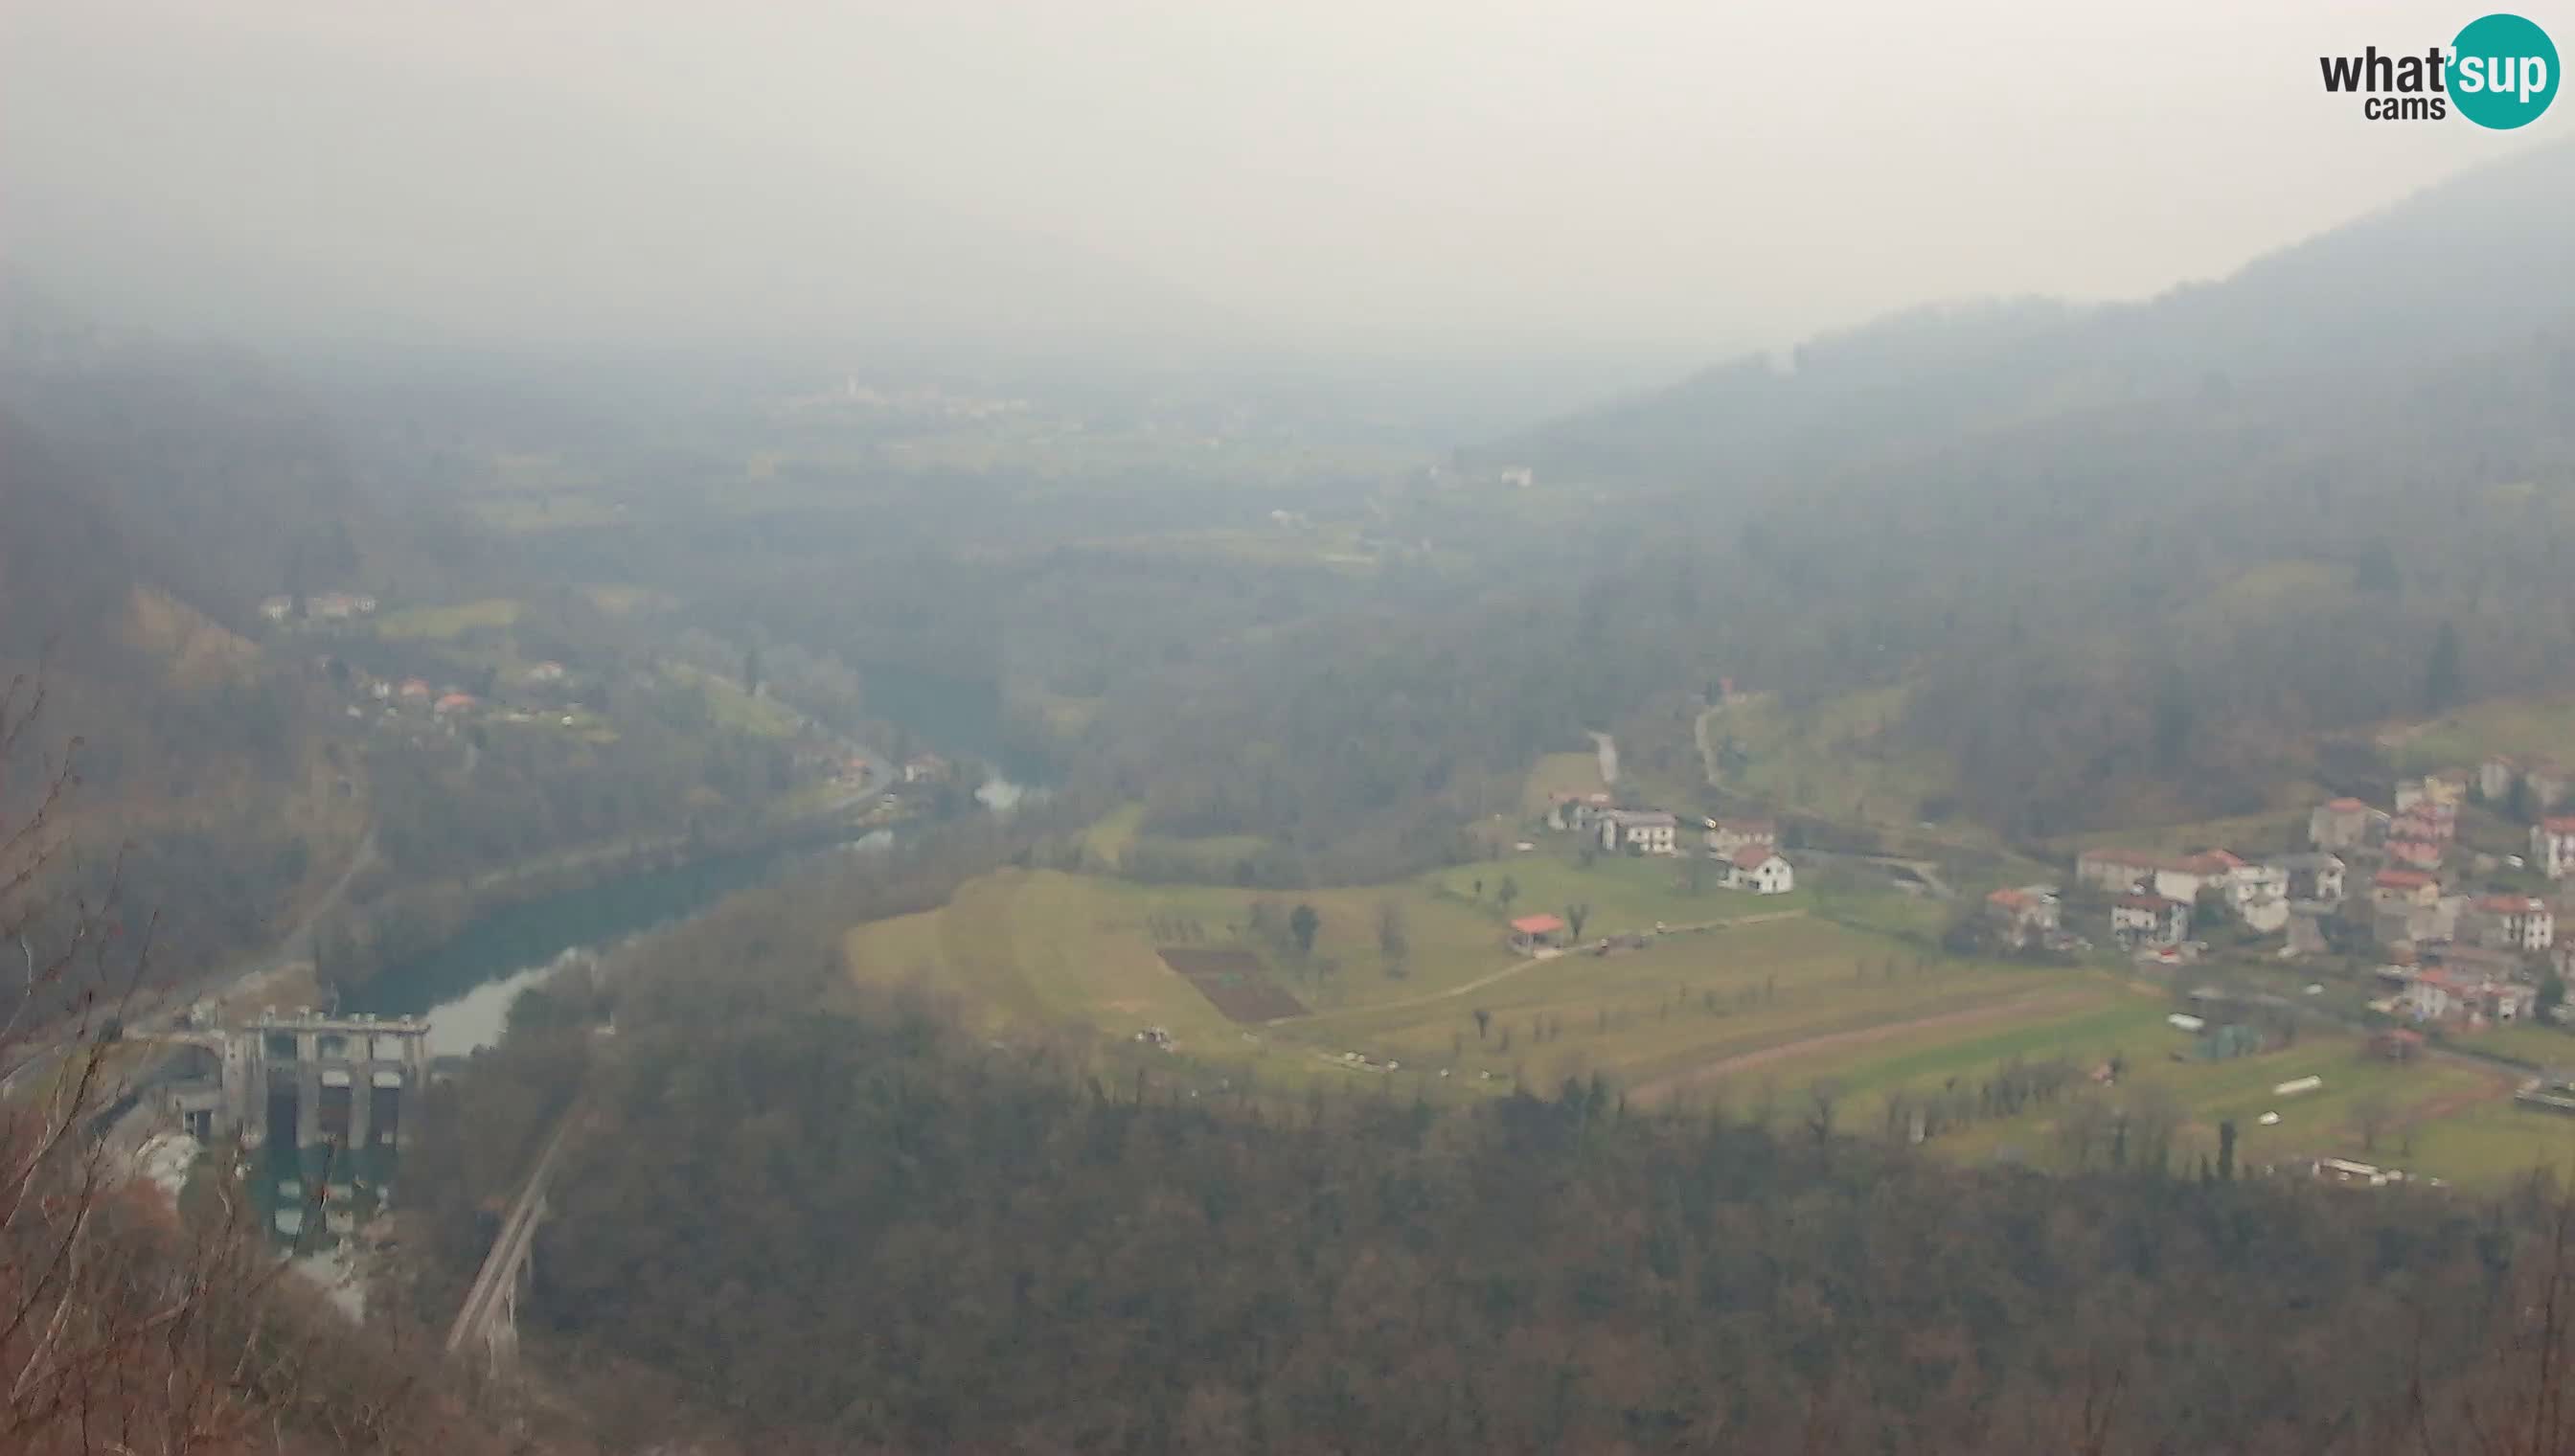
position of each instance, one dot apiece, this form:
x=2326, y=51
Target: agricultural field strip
x=1451, y=993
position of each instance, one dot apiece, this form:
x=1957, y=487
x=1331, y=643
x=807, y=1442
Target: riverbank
x=404, y=923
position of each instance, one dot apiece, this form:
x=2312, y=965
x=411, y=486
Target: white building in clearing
x=1725, y=837
x=2515, y=923
x=1761, y=870
x=2552, y=845
x=1640, y=831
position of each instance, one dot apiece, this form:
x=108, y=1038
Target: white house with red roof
x=1761, y=870
x=2552, y=845
x=1640, y=831
x=2149, y=920
x=2031, y=912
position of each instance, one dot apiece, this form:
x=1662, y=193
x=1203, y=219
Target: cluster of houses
x=2449, y=953
x=1747, y=849
x=394, y=700
x=320, y=607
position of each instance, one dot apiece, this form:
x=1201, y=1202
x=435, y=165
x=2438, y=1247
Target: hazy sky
x=1681, y=178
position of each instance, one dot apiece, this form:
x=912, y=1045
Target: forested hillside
x=801, y=1222
x=2127, y=559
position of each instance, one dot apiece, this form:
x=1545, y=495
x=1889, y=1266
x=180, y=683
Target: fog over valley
x=1136, y=728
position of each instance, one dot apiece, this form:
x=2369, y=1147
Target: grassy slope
x=443, y=624
x=1828, y=983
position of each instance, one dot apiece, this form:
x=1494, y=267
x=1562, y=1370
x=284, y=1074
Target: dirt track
x=1672, y=1083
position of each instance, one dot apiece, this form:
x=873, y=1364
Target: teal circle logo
x=2503, y=72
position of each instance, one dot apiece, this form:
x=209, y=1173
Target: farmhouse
x=2312, y=877
x=1532, y=932
x=2149, y=920
x=2552, y=845
x=1566, y=811
x=1640, y=831
x=1725, y=837
x=2173, y=879
x=1761, y=870
x=2023, y=915
x=2448, y=995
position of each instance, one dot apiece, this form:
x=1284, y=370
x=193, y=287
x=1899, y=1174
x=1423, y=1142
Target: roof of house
x=2510, y=904
x=2306, y=861
x=2213, y=858
x=2345, y=805
x=1538, y=924
x=1643, y=818
x=2558, y=824
x=1752, y=856
x=2401, y=879
x=1749, y=826
x=2010, y=900
x=2153, y=903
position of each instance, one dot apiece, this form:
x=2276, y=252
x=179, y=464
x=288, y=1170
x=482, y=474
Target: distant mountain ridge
x=2459, y=267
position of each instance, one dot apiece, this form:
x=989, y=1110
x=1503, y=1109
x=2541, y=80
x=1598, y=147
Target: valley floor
x=1833, y=1003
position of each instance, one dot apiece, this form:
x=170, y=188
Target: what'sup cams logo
x=2501, y=72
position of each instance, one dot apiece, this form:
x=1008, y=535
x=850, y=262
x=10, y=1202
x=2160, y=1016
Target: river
x=465, y=984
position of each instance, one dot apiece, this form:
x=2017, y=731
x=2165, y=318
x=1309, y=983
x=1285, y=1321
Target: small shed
x=1532, y=932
